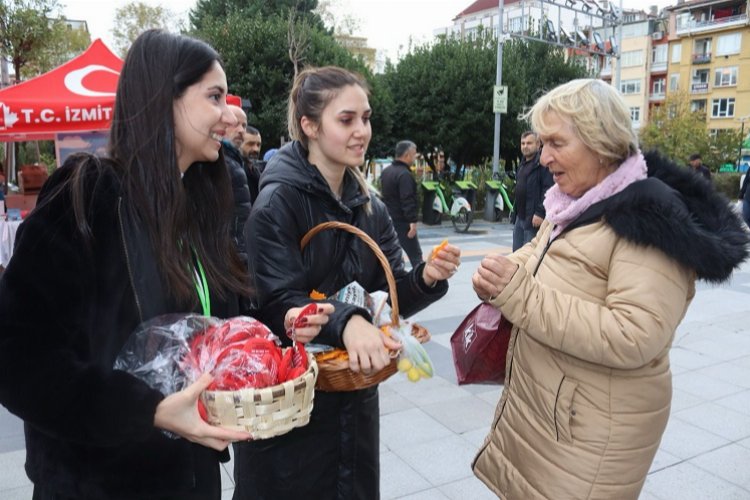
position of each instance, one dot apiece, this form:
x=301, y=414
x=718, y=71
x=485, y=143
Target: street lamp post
x=489, y=210
x=742, y=120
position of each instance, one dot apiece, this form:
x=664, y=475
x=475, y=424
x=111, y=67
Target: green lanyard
x=201, y=286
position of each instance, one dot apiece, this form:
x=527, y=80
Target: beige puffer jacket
x=588, y=385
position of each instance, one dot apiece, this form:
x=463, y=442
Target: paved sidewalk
x=430, y=430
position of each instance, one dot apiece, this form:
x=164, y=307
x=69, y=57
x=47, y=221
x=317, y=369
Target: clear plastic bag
x=169, y=352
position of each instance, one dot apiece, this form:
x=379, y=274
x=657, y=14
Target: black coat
x=66, y=309
x=293, y=198
x=399, y=191
x=532, y=182
x=242, y=196
x=336, y=456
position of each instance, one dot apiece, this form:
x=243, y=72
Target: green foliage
x=442, y=94
x=205, y=10
x=27, y=27
x=66, y=43
x=728, y=183
x=258, y=67
x=678, y=132
x=134, y=18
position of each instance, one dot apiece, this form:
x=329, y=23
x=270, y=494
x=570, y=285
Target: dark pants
x=410, y=245
x=334, y=457
x=523, y=232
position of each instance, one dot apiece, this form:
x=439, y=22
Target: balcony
x=657, y=97
x=702, y=58
x=686, y=24
x=699, y=88
x=659, y=67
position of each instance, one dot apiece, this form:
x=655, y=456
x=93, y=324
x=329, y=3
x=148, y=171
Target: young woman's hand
x=442, y=266
x=178, y=413
x=368, y=347
x=494, y=273
x=312, y=323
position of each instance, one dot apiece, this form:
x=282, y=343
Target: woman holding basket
x=114, y=242
x=311, y=180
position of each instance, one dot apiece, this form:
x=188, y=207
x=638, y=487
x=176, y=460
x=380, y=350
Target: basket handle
x=375, y=249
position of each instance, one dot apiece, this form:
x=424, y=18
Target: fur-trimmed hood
x=681, y=214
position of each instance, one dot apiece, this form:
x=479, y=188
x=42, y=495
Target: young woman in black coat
x=311, y=180
x=114, y=242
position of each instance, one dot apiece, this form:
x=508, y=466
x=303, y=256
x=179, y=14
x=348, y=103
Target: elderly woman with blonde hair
x=595, y=299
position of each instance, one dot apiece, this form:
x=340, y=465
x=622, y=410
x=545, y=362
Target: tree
x=442, y=93
x=675, y=130
x=222, y=9
x=26, y=28
x=134, y=18
x=66, y=43
x=256, y=55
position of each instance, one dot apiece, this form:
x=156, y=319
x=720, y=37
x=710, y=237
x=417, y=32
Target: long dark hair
x=181, y=215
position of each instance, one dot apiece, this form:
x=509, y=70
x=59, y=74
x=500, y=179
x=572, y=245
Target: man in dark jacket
x=240, y=190
x=400, y=196
x=532, y=182
x=696, y=163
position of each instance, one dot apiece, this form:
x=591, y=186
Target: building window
x=630, y=87
x=702, y=46
x=635, y=115
x=632, y=58
x=725, y=77
x=515, y=24
x=676, y=53
x=729, y=44
x=698, y=105
x=659, y=86
x=674, y=82
x=659, y=54
x=722, y=108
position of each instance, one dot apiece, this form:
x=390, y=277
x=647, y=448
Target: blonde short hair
x=597, y=113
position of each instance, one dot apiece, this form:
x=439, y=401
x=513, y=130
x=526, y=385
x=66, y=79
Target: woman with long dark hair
x=114, y=242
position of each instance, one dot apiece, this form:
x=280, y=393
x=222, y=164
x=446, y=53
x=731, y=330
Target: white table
x=7, y=238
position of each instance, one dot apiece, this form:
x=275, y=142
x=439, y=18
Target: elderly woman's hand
x=494, y=273
x=443, y=265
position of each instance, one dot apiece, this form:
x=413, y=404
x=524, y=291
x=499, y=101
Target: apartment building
x=709, y=59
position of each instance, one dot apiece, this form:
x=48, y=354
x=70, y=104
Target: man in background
x=400, y=197
x=532, y=182
x=236, y=168
x=254, y=166
x=696, y=163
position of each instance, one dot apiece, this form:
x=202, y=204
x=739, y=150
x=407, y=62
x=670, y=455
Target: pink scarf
x=563, y=209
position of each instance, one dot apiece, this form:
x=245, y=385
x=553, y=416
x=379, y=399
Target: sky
x=389, y=25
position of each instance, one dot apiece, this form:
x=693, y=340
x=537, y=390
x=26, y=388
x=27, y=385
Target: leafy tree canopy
x=27, y=27
x=258, y=66
x=442, y=94
x=678, y=132
x=66, y=43
x=134, y=18
x=218, y=9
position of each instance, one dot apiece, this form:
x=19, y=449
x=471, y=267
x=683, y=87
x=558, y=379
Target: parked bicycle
x=449, y=199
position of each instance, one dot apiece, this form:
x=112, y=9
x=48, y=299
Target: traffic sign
x=500, y=99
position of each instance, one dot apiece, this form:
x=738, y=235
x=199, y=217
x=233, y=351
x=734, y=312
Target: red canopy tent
x=78, y=96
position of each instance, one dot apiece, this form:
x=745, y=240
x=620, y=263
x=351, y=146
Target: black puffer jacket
x=293, y=198
x=66, y=310
x=241, y=193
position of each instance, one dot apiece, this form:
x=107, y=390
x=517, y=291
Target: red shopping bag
x=480, y=346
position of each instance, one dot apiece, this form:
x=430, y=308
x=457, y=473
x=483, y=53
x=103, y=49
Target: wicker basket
x=267, y=412
x=335, y=375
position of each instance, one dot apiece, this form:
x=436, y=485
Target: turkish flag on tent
x=77, y=96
